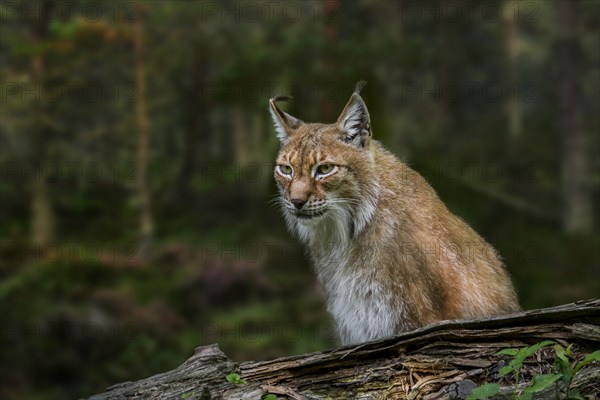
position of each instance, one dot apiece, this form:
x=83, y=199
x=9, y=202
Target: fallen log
x=443, y=361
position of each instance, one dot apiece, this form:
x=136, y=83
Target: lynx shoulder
x=388, y=252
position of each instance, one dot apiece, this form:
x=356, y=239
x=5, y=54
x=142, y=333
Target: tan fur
x=379, y=236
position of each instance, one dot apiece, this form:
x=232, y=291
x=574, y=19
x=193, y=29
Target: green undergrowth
x=557, y=383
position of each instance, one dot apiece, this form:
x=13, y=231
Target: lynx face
x=321, y=180
x=325, y=173
x=310, y=179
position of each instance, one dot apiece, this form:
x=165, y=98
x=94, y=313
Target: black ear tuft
x=355, y=121
x=282, y=97
x=284, y=122
x=359, y=86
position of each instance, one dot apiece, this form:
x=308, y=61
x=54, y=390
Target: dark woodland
x=137, y=204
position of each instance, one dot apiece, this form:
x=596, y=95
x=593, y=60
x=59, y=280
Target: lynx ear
x=284, y=122
x=354, y=120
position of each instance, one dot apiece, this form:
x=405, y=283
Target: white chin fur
x=337, y=226
x=329, y=238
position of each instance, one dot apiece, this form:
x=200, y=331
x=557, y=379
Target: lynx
x=389, y=254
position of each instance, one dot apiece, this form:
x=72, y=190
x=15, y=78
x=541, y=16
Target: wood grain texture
x=441, y=361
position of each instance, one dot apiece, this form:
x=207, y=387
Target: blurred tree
x=577, y=200
x=146, y=223
x=197, y=137
x=331, y=18
x=513, y=109
x=42, y=214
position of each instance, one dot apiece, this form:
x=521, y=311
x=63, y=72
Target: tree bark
x=441, y=361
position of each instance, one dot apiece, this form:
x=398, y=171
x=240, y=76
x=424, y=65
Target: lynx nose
x=298, y=203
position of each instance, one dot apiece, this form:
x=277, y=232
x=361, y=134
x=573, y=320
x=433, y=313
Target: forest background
x=137, y=217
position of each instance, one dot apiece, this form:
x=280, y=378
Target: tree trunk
x=240, y=136
x=331, y=19
x=441, y=361
x=197, y=129
x=577, y=198
x=513, y=110
x=42, y=216
x=146, y=223
x=442, y=113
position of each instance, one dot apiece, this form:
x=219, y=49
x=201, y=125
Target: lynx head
x=325, y=172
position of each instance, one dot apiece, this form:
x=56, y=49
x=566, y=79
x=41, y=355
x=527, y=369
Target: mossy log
x=441, y=361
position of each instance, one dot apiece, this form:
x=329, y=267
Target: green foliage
x=565, y=370
x=538, y=383
x=65, y=30
x=519, y=357
x=269, y=396
x=595, y=356
x=235, y=378
x=484, y=391
x=561, y=362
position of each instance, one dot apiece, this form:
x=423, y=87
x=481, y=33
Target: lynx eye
x=324, y=170
x=285, y=169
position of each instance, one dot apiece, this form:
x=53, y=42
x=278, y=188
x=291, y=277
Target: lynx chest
x=361, y=307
